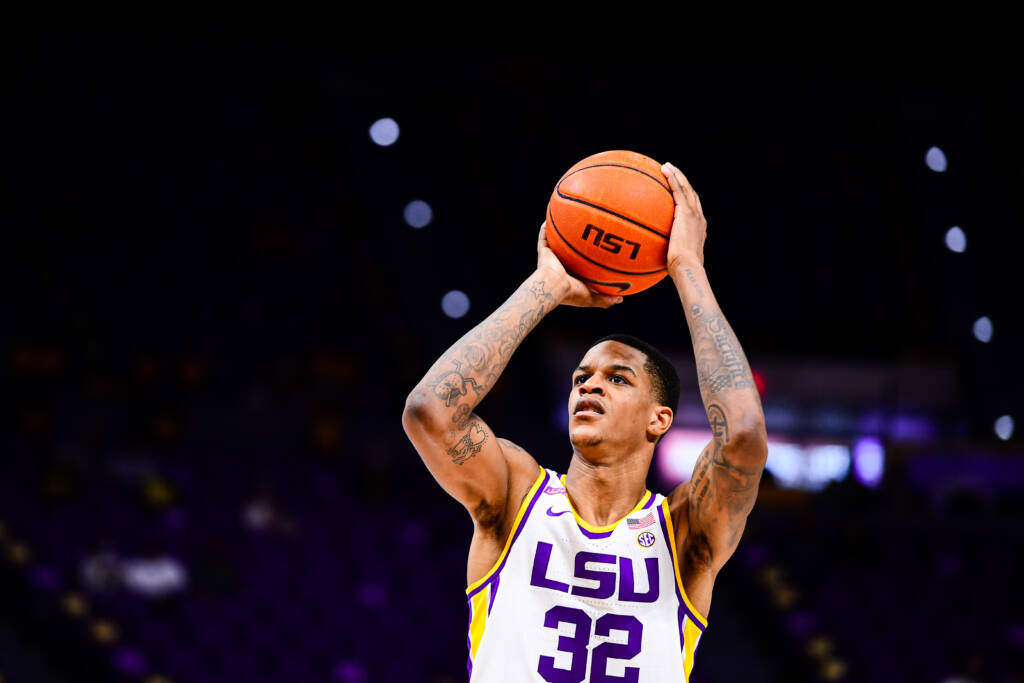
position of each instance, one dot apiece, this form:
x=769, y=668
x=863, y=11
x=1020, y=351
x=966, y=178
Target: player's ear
x=661, y=420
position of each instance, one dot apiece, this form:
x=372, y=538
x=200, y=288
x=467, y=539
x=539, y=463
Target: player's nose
x=590, y=387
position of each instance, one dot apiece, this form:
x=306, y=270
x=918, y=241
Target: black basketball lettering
x=597, y=237
x=612, y=243
x=609, y=241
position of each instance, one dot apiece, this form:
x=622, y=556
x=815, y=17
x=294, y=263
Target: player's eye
x=579, y=378
x=615, y=377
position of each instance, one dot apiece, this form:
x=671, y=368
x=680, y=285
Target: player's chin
x=584, y=435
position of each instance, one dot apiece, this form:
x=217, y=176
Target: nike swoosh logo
x=556, y=514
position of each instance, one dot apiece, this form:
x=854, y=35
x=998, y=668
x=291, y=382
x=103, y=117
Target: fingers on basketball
x=603, y=300
x=686, y=197
x=678, y=186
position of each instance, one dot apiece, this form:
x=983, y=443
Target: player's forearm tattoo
x=452, y=385
x=471, y=366
x=721, y=363
x=693, y=281
x=725, y=479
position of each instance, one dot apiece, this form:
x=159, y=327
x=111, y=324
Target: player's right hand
x=689, y=227
x=579, y=294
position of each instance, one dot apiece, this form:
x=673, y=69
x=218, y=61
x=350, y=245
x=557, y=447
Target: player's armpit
x=469, y=462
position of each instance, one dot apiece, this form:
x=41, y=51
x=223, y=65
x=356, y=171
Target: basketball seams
x=618, y=193
x=631, y=168
x=558, y=191
x=597, y=263
x=609, y=212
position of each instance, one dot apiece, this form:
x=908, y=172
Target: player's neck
x=604, y=493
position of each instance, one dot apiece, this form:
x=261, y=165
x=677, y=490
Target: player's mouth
x=588, y=406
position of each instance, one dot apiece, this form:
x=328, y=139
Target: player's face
x=610, y=401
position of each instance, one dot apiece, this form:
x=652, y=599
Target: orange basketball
x=609, y=219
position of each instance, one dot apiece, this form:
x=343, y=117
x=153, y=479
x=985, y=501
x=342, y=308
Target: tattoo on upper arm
x=461, y=416
x=739, y=489
x=718, y=483
x=743, y=478
x=469, y=444
x=701, y=480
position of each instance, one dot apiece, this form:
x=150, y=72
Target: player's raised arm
x=457, y=446
x=724, y=485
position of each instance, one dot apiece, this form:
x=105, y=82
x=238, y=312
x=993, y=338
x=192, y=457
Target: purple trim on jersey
x=469, y=643
x=683, y=611
x=693, y=618
x=682, y=603
x=519, y=529
x=494, y=590
x=679, y=596
x=606, y=534
x=594, y=534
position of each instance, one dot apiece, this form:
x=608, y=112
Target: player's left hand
x=689, y=227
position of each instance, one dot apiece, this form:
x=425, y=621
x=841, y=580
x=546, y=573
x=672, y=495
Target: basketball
x=609, y=219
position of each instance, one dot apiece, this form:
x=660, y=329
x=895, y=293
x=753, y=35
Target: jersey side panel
x=481, y=593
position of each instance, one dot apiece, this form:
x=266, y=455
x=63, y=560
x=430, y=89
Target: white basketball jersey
x=568, y=601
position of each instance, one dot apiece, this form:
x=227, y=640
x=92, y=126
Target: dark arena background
x=226, y=269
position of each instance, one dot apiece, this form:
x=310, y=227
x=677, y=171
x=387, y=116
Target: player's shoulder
x=519, y=460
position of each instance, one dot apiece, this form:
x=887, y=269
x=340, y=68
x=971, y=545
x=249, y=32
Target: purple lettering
x=627, y=586
x=540, y=570
x=634, y=630
x=605, y=579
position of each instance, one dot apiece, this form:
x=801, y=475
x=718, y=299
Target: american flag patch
x=641, y=523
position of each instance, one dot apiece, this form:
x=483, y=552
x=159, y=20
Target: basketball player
x=588, y=576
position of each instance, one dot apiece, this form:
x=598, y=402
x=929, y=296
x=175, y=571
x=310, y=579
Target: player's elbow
x=420, y=411
x=751, y=431
x=751, y=439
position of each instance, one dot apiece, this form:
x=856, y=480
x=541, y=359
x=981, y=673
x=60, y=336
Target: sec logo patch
x=646, y=539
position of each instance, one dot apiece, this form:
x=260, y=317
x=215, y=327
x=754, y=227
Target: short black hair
x=664, y=378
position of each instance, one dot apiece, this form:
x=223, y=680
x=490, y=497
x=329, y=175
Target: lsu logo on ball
x=646, y=539
x=608, y=241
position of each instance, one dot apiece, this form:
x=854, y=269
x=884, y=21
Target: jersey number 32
x=578, y=645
